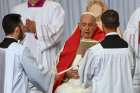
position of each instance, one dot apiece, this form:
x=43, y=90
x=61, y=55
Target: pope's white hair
x=88, y=13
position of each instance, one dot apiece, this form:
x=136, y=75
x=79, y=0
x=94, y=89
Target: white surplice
x=2, y=69
x=49, y=26
x=107, y=70
x=20, y=67
x=131, y=35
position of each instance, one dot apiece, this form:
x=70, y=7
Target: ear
x=104, y=28
x=17, y=30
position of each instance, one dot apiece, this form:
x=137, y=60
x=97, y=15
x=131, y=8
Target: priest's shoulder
x=52, y=4
x=95, y=49
x=16, y=47
x=20, y=6
x=137, y=10
x=128, y=32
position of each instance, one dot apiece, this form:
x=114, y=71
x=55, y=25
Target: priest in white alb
x=132, y=36
x=17, y=65
x=2, y=69
x=48, y=19
x=107, y=66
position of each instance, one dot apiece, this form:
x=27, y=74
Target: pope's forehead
x=87, y=16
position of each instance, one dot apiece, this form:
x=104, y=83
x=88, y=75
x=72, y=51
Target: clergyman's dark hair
x=110, y=19
x=10, y=22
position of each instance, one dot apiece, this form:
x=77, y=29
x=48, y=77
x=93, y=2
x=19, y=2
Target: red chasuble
x=139, y=39
x=38, y=4
x=68, y=53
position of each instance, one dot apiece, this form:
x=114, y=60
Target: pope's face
x=87, y=25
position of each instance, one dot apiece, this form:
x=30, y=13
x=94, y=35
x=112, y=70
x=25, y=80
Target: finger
x=27, y=20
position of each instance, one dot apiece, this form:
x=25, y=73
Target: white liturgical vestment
x=131, y=35
x=107, y=70
x=2, y=69
x=49, y=28
x=20, y=67
x=73, y=85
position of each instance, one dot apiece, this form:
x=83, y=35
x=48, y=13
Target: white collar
x=10, y=37
x=111, y=33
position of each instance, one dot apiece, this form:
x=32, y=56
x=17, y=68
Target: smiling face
x=87, y=25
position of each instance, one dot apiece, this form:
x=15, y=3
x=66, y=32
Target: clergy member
x=48, y=19
x=87, y=29
x=20, y=65
x=132, y=36
x=107, y=66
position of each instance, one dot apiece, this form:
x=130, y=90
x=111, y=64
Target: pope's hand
x=72, y=74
